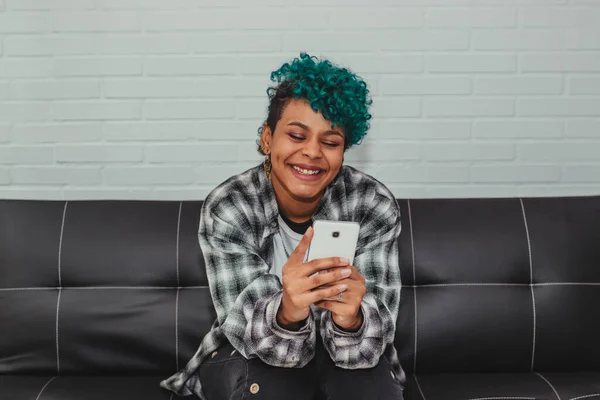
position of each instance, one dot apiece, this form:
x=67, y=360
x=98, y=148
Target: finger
x=356, y=275
x=336, y=307
x=299, y=252
x=343, y=314
x=355, y=287
x=320, y=294
x=321, y=264
x=324, y=279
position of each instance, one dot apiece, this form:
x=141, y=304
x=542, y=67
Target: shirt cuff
x=354, y=350
x=271, y=317
x=340, y=332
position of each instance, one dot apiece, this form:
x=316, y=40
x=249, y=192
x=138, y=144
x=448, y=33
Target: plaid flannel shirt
x=237, y=224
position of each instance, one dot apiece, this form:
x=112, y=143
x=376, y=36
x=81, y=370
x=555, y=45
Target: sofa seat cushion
x=22, y=387
x=523, y=386
x=533, y=386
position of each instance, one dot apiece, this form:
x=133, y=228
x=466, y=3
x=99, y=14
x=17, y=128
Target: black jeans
x=229, y=376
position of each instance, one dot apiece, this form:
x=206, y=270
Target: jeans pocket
x=223, y=374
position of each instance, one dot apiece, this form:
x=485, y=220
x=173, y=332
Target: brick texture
x=158, y=99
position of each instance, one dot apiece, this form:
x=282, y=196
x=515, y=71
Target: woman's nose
x=312, y=149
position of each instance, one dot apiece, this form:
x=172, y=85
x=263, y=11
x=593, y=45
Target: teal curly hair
x=341, y=96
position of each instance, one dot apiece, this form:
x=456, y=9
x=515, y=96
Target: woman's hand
x=299, y=280
x=347, y=313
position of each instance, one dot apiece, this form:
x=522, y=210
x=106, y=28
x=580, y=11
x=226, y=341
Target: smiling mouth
x=307, y=172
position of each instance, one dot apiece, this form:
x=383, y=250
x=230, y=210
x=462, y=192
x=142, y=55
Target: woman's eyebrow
x=300, y=124
x=337, y=133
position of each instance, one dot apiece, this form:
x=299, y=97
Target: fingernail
x=342, y=287
x=344, y=261
x=346, y=272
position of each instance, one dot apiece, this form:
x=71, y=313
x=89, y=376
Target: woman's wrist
x=354, y=326
x=286, y=324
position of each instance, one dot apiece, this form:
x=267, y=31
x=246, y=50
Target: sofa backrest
x=100, y=287
x=500, y=285
x=489, y=285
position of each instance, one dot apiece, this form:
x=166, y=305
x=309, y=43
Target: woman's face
x=306, y=153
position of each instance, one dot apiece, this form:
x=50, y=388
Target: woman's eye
x=295, y=137
x=331, y=144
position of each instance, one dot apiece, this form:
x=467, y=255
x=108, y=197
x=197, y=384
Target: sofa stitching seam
x=412, y=244
x=530, y=282
x=44, y=387
x=178, y=286
x=549, y=384
x=60, y=245
x=419, y=387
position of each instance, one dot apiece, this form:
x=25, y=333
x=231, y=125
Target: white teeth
x=305, y=171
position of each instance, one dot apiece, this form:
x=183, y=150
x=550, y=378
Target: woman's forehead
x=300, y=111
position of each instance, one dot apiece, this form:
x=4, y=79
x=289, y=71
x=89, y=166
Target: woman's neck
x=297, y=213
x=295, y=210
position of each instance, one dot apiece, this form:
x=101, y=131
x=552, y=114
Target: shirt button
x=254, y=388
x=213, y=355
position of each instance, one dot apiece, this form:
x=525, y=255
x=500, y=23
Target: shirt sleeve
x=246, y=296
x=377, y=259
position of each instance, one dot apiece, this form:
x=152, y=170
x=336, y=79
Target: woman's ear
x=265, y=139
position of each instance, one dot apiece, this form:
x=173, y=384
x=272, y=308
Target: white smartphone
x=334, y=239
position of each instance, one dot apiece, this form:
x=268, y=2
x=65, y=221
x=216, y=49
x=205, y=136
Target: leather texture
x=103, y=299
x=82, y=387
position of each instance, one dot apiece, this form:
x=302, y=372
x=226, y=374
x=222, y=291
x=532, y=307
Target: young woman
x=275, y=335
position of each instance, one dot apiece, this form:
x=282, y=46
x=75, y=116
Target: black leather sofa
x=500, y=298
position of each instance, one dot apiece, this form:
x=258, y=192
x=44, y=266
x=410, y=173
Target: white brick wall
x=161, y=99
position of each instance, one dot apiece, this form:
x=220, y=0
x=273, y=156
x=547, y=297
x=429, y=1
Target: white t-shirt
x=284, y=243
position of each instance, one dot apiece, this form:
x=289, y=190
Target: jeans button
x=254, y=388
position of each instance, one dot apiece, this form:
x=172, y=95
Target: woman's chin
x=301, y=194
